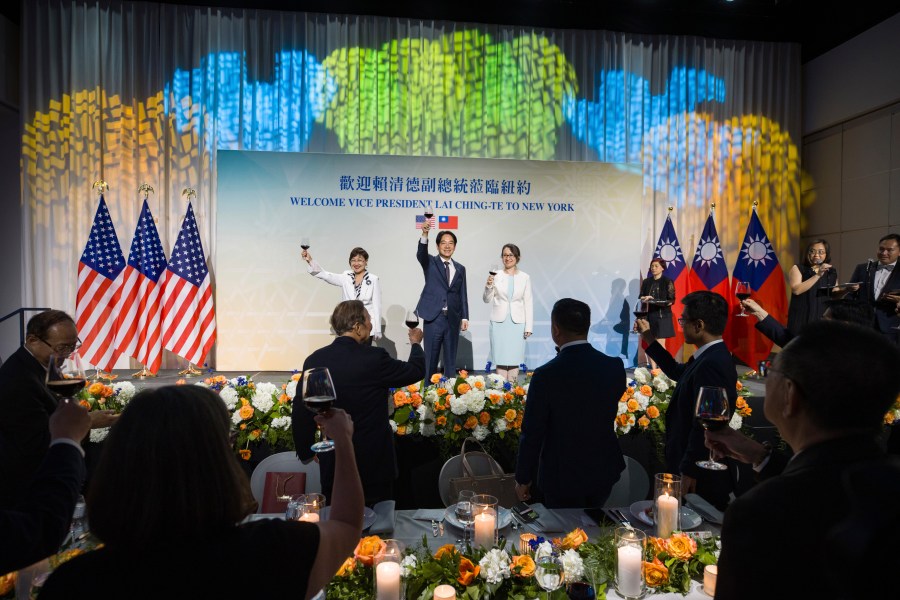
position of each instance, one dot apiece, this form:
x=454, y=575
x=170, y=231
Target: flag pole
x=99, y=374
x=145, y=372
x=191, y=370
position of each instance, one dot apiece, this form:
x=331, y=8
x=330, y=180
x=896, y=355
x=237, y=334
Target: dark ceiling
x=816, y=26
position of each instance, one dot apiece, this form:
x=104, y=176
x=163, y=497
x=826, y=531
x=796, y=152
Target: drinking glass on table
x=742, y=291
x=318, y=396
x=712, y=412
x=65, y=375
x=548, y=570
x=464, y=514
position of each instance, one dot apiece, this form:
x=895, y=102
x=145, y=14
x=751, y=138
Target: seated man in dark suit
x=571, y=399
x=827, y=393
x=35, y=528
x=26, y=403
x=703, y=320
x=361, y=375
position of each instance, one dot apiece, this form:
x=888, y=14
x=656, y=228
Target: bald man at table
x=835, y=502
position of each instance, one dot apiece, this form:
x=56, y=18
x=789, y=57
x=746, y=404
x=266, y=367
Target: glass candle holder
x=667, y=504
x=630, y=544
x=525, y=540
x=389, y=572
x=311, y=508
x=485, y=516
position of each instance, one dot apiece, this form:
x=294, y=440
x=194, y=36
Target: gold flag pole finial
x=190, y=193
x=670, y=209
x=101, y=186
x=146, y=188
x=713, y=205
x=755, y=204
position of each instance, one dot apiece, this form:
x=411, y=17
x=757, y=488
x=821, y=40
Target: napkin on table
x=384, y=517
x=548, y=521
x=429, y=514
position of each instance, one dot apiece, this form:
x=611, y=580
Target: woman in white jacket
x=512, y=313
x=356, y=283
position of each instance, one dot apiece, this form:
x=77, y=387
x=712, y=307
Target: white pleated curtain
x=144, y=92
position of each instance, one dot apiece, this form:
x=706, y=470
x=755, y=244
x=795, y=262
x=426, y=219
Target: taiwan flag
x=708, y=270
x=668, y=249
x=445, y=222
x=758, y=265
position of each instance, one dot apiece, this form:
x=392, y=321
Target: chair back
x=633, y=485
x=285, y=462
x=480, y=463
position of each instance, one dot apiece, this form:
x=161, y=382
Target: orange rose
x=739, y=386
x=346, y=568
x=520, y=391
x=254, y=435
x=243, y=426
x=624, y=398
x=622, y=419
x=435, y=378
x=244, y=402
x=95, y=389
x=441, y=420
x=740, y=403
x=245, y=454
x=656, y=573
x=655, y=372
x=652, y=412
x=401, y=430
x=296, y=377
x=644, y=422
x=416, y=400
x=657, y=545
x=399, y=398
x=479, y=385
x=633, y=405
x=107, y=391
x=467, y=571
x=246, y=411
x=889, y=418
x=681, y=546
x=283, y=399
x=413, y=388
x=463, y=388
x=471, y=422
x=495, y=397
x=522, y=566
x=367, y=548
x=85, y=404
x=575, y=538
x=456, y=427
x=510, y=415
x=463, y=373
x=445, y=550
x=507, y=396
x=441, y=392
x=646, y=390
x=629, y=391
x=484, y=418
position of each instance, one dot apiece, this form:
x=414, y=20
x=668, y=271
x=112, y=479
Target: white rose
x=422, y=412
x=236, y=417
x=230, y=397
x=291, y=389
x=736, y=421
x=480, y=432
x=125, y=391
x=408, y=563
x=622, y=408
x=572, y=564
x=641, y=375
x=98, y=435
x=281, y=422
x=495, y=566
x=495, y=381
x=660, y=384
x=393, y=425
x=499, y=425
x=458, y=405
x=642, y=400
x=475, y=400
x=262, y=401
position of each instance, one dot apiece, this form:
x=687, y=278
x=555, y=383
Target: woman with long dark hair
x=811, y=284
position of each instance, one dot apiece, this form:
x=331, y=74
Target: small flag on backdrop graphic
x=757, y=264
x=445, y=222
x=420, y=221
x=189, y=316
x=668, y=249
x=708, y=270
x=99, y=286
x=139, y=323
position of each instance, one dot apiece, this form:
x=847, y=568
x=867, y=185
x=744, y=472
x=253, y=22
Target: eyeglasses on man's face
x=62, y=349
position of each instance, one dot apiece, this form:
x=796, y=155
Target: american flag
x=99, y=287
x=420, y=221
x=139, y=323
x=189, y=317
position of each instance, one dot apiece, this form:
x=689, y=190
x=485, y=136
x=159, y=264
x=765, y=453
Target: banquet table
x=411, y=530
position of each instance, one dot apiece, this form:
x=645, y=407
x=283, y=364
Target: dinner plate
x=369, y=516
x=450, y=517
x=689, y=518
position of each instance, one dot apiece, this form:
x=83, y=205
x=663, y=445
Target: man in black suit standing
x=362, y=375
x=572, y=398
x=39, y=524
x=26, y=404
x=827, y=393
x=703, y=320
x=444, y=303
x=880, y=285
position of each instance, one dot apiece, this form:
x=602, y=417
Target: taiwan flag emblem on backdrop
x=445, y=222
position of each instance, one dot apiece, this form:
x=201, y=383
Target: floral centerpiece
x=741, y=408
x=644, y=401
x=99, y=396
x=505, y=572
x=893, y=413
x=486, y=407
x=260, y=412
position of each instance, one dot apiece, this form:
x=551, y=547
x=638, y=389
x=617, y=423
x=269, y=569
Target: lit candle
x=310, y=517
x=484, y=529
x=387, y=581
x=628, y=579
x=709, y=579
x=666, y=515
x=444, y=592
x=525, y=542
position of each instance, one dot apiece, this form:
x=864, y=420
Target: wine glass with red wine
x=65, y=375
x=304, y=243
x=411, y=320
x=318, y=397
x=641, y=310
x=712, y=412
x=495, y=268
x=742, y=291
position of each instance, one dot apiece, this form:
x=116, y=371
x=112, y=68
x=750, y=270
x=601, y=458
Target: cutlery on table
x=622, y=518
x=434, y=528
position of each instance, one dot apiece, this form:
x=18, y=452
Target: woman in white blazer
x=512, y=313
x=356, y=283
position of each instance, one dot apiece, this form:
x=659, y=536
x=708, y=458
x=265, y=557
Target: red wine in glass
x=304, y=243
x=714, y=423
x=712, y=412
x=742, y=292
x=318, y=396
x=66, y=388
x=319, y=404
x=65, y=375
x=641, y=310
x=412, y=319
x=742, y=296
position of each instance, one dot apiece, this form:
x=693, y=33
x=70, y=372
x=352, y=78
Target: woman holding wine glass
x=508, y=291
x=811, y=285
x=658, y=291
x=356, y=283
